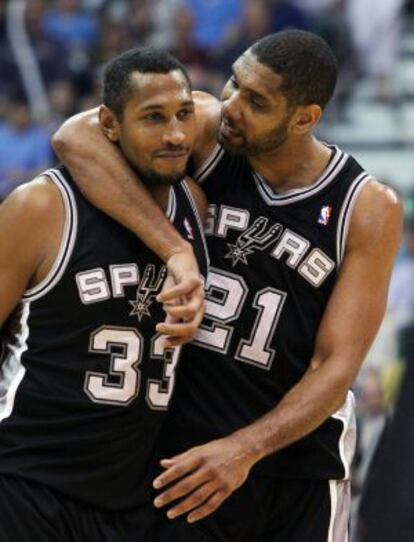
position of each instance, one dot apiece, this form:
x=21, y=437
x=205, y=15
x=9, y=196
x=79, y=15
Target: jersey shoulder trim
x=209, y=165
x=171, y=206
x=335, y=166
x=346, y=213
x=68, y=238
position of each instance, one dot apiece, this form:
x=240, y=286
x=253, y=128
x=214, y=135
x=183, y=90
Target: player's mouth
x=177, y=154
x=227, y=130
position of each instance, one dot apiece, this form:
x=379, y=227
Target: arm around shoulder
x=76, y=136
x=208, y=112
x=199, y=197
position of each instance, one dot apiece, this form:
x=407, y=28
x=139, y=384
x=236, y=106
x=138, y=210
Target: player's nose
x=174, y=134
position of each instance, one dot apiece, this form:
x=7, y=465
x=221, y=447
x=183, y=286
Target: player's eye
x=154, y=117
x=185, y=114
x=257, y=104
x=234, y=82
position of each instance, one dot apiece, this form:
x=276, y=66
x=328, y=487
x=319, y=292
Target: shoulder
x=377, y=217
x=208, y=111
x=31, y=222
x=33, y=199
x=32, y=213
x=198, y=196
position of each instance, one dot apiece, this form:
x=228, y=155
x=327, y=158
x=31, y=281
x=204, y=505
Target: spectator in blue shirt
x=214, y=19
x=24, y=147
x=70, y=26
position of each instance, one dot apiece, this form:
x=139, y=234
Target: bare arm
x=26, y=259
x=349, y=325
x=178, y=333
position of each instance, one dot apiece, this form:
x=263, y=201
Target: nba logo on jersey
x=188, y=229
x=325, y=215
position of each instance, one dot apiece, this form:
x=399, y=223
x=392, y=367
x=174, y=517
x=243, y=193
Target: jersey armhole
x=199, y=223
x=346, y=214
x=67, y=242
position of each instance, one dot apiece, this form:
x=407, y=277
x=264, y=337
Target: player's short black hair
x=305, y=62
x=117, y=87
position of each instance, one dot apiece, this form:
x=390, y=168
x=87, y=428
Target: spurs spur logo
x=148, y=288
x=257, y=237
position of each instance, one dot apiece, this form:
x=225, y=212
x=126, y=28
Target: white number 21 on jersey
x=225, y=296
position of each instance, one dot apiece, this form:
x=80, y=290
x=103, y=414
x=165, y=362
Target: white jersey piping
x=67, y=242
x=346, y=213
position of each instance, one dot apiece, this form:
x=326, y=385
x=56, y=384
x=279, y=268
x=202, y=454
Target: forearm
x=304, y=408
x=126, y=200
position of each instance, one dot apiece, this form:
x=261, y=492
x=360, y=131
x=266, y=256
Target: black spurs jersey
x=274, y=262
x=85, y=383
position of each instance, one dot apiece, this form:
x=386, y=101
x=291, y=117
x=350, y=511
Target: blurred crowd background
x=51, y=57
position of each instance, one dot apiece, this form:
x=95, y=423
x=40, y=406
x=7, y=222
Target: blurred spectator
x=328, y=19
x=256, y=22
x=163, y=12
x=77, y=31
x=149, y=21
x=315, y=8
x=30, y=62
x=287, y=14
x=50, y=55
x=214, y=20
x=62, y=98
x=386, y=513
x=196, y=58
x=259, y=17
x=140, y=22
x=371, y=420
x=410, y=6
x=70, y=25
x=376, y=29
x=114, y=39
x=401, y=297
x=24, y=147
x=10, y=81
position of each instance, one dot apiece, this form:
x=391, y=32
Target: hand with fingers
x=203, y=477
x=183, y=299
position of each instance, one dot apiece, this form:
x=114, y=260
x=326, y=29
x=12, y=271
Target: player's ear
x=109, y=123
x=305, y=118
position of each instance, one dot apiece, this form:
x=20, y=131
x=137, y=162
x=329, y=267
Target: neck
x=295, y=164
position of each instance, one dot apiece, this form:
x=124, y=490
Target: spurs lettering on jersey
x=310, y=262
x=94, y=285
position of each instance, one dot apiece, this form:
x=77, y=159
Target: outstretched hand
x=203, y=477
x=183, y=299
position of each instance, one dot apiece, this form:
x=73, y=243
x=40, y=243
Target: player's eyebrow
x=247, y=88
x=152, y=107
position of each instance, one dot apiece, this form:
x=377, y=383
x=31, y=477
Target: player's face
x=255, y=114
x=157, y=130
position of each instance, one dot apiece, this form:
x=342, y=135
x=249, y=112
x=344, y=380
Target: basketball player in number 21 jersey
x=85, y=380
x=302, y=242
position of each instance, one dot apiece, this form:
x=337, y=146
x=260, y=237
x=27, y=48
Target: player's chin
x=170, y=176
x=235, y=145
x=172, y=166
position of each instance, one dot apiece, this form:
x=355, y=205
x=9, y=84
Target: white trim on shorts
x=340, y=493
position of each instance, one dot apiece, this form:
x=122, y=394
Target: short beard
x=153, y=180
x=266, y=145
